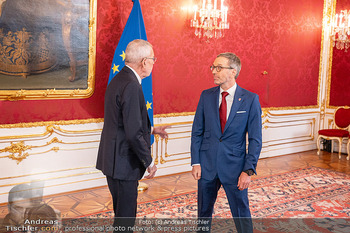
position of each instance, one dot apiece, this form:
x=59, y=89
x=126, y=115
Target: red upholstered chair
x=340, y=132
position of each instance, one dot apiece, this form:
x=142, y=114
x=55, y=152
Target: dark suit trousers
x=238, y=201
x=124, y=195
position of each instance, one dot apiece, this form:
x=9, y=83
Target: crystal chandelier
x=340, y=30
x=209, y=21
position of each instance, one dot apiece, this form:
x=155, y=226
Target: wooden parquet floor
x=94, y=200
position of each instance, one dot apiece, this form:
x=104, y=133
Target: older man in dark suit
x=125, y=151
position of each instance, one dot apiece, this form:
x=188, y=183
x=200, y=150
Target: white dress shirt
x=229, y=98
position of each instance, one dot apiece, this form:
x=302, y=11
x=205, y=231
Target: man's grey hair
x=137, y=50
x=233, y=61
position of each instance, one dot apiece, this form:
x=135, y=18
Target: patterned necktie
x=223, y=110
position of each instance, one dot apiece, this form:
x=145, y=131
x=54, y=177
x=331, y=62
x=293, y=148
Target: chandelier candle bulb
x=211, y=20
x=341, y=23
x=340, y=30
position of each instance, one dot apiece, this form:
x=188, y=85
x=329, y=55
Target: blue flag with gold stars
x=134, y=29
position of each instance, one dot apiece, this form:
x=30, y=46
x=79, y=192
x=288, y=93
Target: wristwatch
x=250, y=172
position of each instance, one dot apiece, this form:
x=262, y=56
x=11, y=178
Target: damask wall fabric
x=282, y=38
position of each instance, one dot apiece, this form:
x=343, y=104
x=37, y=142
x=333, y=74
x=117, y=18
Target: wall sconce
x=340, y=30
x=209, y=21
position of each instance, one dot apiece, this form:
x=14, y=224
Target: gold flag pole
x=142, y=187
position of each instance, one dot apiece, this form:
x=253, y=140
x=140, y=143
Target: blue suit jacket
x=224, y=154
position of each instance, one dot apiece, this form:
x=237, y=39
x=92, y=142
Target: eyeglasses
x=219, y=68
x=153, y=58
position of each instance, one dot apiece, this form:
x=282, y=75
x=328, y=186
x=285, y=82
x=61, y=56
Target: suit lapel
x=134, y=78
x=216, y=94
x=237, y=101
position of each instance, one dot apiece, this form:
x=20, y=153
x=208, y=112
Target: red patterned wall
x=340, y=76
x=281, y=37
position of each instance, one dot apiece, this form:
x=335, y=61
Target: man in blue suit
x=225, y=115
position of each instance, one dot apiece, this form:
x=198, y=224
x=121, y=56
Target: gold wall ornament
x=166, y=147
x=17, y=150
x=265, y=112
x=161, y=151
x=330, y=122
x=156, y=140
x=19, y=57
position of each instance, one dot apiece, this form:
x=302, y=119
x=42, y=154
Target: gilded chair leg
x=340, y=144
x=318, y=145
x=348, y=149
x=332, y=146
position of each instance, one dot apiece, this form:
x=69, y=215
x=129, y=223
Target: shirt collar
x=231, y=91
x=137, y=75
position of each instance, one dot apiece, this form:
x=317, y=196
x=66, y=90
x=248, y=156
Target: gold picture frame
x=42, y=74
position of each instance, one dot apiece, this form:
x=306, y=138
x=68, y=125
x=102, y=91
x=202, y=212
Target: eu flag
x=134, y=29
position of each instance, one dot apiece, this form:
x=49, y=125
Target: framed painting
x=47, y=49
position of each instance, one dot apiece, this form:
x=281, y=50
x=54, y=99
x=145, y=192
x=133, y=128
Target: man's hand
x=243, y=181
x=160, y=130
x=196, y=172
x=151, y=171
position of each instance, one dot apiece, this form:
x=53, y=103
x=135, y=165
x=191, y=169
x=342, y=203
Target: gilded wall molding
x=175, y=114
x=48, y=123
x=45, y=173
x=263, y=109
x=330, y=15
x=18, y=150
x=328, y=12
x=59, y=177
x=268, y=113
x=290, y=108
x=49, y=131
x=101, y=120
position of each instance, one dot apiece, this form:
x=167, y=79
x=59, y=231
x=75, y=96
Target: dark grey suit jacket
x=125, y=150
